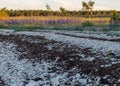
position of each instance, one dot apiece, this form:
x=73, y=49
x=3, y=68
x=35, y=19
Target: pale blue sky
x=55, y=4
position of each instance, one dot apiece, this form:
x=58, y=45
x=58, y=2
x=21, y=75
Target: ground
x=59, y=58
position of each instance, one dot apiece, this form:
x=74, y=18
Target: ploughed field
x=59, y=58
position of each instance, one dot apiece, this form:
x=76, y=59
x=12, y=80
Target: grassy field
x=58, y=19
x=52, y=23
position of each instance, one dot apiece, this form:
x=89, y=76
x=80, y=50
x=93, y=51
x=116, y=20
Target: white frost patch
x=33, y=83
x=6, y=31
x=109, y=65
x=89, y=59
x=49, y=47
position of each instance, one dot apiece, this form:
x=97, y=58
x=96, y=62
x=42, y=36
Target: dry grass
x=78, y=20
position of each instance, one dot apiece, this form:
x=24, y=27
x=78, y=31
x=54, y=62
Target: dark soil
x=1, y=82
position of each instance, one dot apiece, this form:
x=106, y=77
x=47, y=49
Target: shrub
x=87, y=23
x=3, y=13
x=114, y=18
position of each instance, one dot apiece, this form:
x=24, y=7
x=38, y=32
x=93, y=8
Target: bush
x=3, y=13
x=87, y=23
x=114, y=19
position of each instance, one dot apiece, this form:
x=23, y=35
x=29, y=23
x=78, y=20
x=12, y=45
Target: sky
x=56, y=4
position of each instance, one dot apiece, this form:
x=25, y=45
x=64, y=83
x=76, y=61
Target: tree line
x=86, y=11
x=62, y=12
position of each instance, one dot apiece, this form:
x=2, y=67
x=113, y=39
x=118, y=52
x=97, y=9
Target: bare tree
x=91, y=4
x=48, y=7
x=84, y=5
x=88, y=6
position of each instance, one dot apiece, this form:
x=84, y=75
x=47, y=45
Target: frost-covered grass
x=24, y=72
x=98, y=45
x=105, y=35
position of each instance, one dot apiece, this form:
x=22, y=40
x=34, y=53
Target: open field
x=59, y=58
x=59, y=43
x=57, y=23
x=55, y=20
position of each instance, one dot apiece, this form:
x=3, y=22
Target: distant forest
x=100, y=13
x=61, y=12
x=86, y=11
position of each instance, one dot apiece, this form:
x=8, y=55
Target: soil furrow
x=93, y=38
